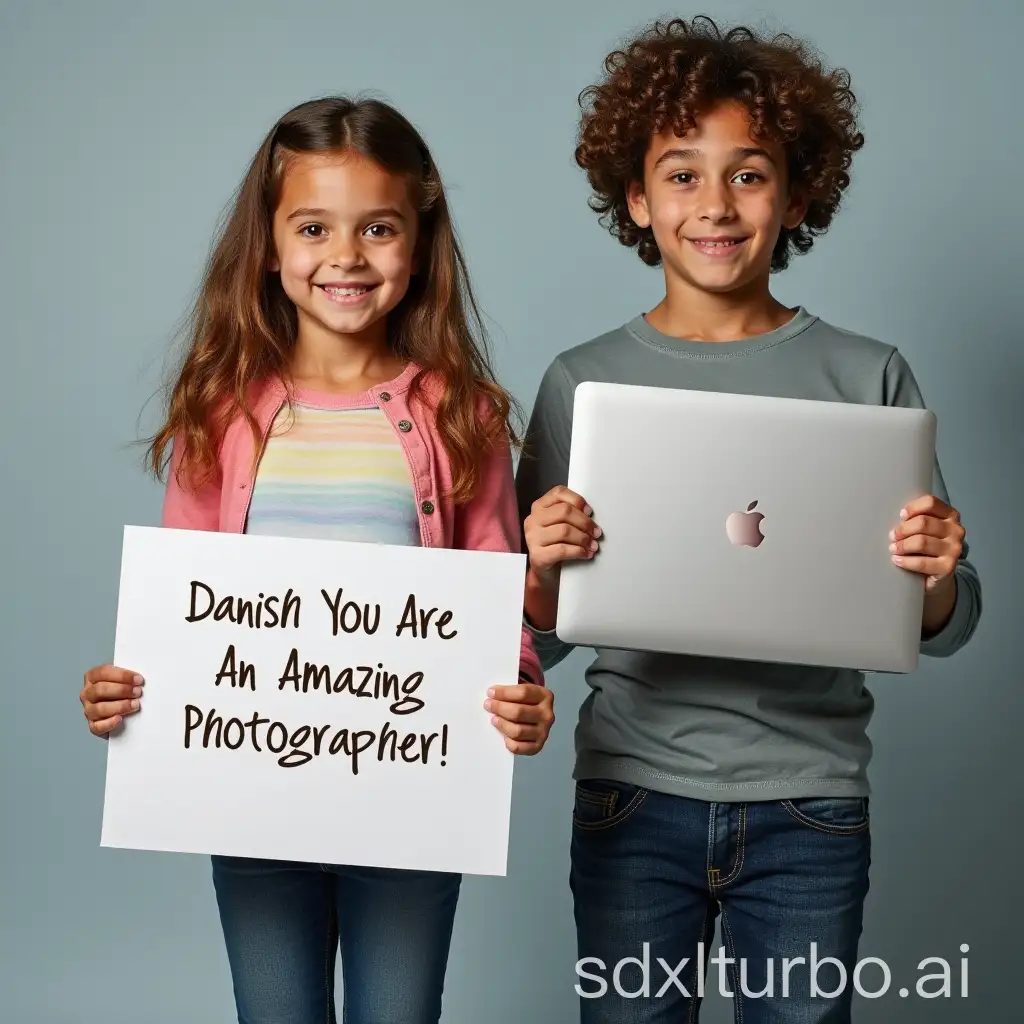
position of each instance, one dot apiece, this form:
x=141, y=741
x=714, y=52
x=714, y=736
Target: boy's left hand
x=523, y=714
x=928, y=540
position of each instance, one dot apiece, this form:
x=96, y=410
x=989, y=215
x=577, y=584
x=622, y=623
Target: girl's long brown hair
x=243, y=327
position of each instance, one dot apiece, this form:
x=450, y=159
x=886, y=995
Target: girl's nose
x=346, y=256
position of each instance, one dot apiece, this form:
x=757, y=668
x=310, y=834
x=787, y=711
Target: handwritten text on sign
x=374, y=681
x=366, y=666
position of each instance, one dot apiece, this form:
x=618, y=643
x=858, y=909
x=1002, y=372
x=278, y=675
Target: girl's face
x=716, y=201
x=344, y=243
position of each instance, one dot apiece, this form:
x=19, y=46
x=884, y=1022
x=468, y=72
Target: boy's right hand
x=108, y=694
x=558, y=529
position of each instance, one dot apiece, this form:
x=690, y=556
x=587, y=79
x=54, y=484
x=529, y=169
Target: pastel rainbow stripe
x=334, y=473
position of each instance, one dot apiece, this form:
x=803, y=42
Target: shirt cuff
x=950, y=638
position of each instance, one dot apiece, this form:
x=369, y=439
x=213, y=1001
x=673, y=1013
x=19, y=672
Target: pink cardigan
x=490, y=522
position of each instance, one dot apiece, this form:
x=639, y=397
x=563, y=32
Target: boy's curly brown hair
x=675, y=71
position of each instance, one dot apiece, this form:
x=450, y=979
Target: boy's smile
x=718, y=246
x=716, y=201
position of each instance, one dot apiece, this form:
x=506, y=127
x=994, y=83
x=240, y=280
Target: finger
x=520, y=693
x=105, y=725
x=928, y=505
x=531, y=714
x=562, y=494
x=563, y=533
x=113, y=674
x=517, y=731
x=933, y=547
x=108, y=709
x=927, y=525
x=95, y=692
x=556, y=515
x=926, y=565
x=555, y=554
x=549, y=553
x=524, y=749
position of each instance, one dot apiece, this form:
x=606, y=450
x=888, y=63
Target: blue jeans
x=651, y=873
x=284, y=924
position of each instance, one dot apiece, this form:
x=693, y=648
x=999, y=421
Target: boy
x=702, y=785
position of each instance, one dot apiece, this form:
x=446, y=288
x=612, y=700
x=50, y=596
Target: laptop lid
x=747, y=527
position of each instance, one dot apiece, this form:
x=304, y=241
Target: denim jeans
x=652, y=872
x=284, y=924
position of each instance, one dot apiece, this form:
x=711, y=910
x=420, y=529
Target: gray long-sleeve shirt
x=718, y=729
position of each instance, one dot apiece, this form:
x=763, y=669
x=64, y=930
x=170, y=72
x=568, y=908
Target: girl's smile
x=347, y=294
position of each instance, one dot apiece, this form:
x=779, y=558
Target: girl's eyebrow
x=740, y=152
x=311, y=211
x=307, y=211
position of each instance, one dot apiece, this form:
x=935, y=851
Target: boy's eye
x=748, y=177
x=682, y=177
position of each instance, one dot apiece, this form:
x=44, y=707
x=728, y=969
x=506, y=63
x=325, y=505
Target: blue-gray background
x=124, y=129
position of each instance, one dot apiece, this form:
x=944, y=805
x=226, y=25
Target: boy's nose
x=714, y=202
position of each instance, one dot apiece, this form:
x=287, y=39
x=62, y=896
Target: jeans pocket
x=603, y=803
x=840, y=815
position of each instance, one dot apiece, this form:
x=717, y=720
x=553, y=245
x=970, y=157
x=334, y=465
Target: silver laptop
x=746, y=527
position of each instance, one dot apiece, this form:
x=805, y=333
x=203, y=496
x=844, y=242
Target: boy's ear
x=796, y=209
x=636, y=200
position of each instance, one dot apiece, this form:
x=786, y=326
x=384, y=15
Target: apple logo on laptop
x=744, y=528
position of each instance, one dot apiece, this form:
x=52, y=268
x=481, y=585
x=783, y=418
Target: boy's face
x=716, y=201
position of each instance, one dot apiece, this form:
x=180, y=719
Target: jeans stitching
x=709, y=866
x=626, y=811
x=734, y=970
x=603, y=800
x=835, y=830
x=741, y=837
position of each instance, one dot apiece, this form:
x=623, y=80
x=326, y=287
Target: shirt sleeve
x=901, y=389
x=544, y=464
x=186, y=509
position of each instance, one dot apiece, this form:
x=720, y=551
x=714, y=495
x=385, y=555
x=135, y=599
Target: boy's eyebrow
x=741, y=152
x=312, y=211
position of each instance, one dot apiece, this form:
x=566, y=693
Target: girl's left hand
x=523, y=714
x=929, y=540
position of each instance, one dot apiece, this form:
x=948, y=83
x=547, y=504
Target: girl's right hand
x=108, y=694
x=559, y=529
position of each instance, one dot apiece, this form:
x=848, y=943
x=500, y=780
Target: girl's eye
x=314, y=228
x=379, y=230
x=750, y=177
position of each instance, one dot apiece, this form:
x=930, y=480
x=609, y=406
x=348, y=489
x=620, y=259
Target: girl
x=334, y=388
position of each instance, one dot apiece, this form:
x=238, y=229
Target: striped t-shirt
x=334, y=470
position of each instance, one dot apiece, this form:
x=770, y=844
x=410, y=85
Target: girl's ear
x=273, y=263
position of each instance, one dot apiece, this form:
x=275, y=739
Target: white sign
x=314, y=701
